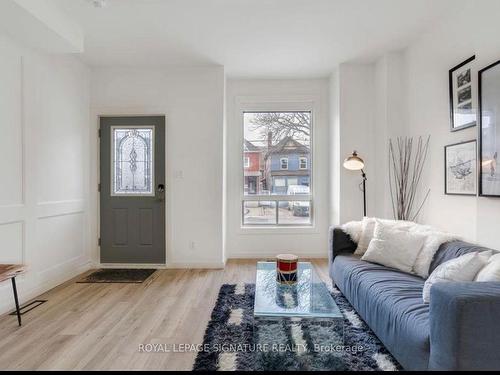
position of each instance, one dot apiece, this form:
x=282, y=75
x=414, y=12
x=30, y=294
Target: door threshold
x=132, y=265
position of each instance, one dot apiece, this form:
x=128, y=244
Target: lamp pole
x=363, y=174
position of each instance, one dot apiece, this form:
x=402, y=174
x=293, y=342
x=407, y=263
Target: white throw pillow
x=353, y=229
x=431, y=245
x=463, y=268
x=434, y=239
x=368, y=226
x=393, y=247
x=490, y=272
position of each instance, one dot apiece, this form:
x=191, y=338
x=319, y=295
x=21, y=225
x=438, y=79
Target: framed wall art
x=460, y=160
x=463, y=95
x=489, y=135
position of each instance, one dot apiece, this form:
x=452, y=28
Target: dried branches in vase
x=406, y=163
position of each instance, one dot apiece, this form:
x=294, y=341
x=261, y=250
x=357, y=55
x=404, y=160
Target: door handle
x=161, y=191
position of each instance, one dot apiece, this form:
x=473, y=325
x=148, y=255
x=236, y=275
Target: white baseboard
x=196, y=265
x=273, y=256
x=170, y=265
x=39, y=289
x=131, y=265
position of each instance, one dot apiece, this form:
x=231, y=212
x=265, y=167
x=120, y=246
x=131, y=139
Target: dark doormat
x=133, y=276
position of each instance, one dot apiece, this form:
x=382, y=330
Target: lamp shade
x=354, y=162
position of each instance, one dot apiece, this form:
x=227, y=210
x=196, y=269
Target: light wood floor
x=100, y=326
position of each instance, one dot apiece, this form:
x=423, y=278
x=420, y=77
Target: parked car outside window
x=299, y=208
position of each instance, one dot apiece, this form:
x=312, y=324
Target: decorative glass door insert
x=132, y=162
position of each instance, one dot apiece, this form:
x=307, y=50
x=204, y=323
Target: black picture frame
x=474, y=165
x=469, y=89
x=481, y=126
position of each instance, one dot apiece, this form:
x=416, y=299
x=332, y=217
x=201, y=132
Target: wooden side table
x=10, y=271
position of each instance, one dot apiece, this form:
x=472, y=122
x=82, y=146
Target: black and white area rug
x=230, y=342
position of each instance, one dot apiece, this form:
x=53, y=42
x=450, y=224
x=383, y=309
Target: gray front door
x=132, y=189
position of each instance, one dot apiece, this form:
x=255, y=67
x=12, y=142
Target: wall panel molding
x=60, y=208
x=23, y=132
x=39, y=94
x=12, y=214
x=8, y=243
x=11, y=126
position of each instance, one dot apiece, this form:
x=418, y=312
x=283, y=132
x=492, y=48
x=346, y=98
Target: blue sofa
x=458, y=330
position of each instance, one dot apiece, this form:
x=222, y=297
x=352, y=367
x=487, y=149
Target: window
x=132, y=160
x=284, y=163
x=277, y=192
x=303, y=163
x=246, y=162
x=280, y=182
x=259, y=212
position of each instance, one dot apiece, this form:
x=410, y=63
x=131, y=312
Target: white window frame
x=302, y=158
x=246, y=162
x=281, y=164
x=273, y=104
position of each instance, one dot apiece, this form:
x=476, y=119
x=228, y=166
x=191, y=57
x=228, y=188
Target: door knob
x=161, y=191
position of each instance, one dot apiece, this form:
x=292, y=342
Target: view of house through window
x=277, y=168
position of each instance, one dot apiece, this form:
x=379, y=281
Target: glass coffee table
x=303, y=316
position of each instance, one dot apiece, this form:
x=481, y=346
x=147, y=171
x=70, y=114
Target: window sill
x=278, y=230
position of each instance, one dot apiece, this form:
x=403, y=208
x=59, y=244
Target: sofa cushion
x=391, y=303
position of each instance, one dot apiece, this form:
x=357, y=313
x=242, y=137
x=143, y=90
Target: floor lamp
x=354, y=163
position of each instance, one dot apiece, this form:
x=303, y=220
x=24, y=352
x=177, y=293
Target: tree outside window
x=277, y=146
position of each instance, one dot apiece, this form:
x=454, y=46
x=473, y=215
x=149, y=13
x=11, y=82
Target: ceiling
x=251, y=38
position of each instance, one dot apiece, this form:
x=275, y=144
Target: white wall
x=389, y=123
x=356, y=97
x=193, y=101
x=334, y=149
x=44, y=115
x=406, y=93
x=473, y=29
x=258, y=242
x=367, y=108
